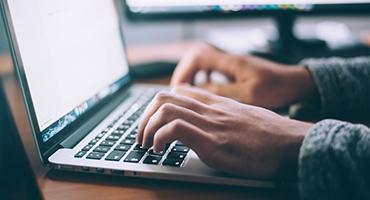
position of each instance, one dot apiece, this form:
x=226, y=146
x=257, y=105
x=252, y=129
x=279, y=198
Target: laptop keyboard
x=119, y=144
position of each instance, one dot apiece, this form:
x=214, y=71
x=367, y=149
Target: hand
x=226, y=135
x=254, y=80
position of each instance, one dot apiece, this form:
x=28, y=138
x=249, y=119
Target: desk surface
x=62, y=185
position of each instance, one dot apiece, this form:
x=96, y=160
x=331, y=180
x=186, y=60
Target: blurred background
x=336, y=30
x=136, y=33
x=237, y=35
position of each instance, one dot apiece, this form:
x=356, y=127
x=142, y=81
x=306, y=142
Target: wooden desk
x=62, y=185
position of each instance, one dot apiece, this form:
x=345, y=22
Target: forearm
x=334, y=162
x=343, y=85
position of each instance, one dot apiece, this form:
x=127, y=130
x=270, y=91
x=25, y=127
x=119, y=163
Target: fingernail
x=156, y=150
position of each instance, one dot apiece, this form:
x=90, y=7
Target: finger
x=185, y=132
x=228, y=90
x=185, y=70
x=167, y=113
x=162, y=98
x=207, y=60
x=195, y=93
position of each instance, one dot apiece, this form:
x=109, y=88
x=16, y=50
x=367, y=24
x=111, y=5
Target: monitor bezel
x=45, y=149
x=322, y=9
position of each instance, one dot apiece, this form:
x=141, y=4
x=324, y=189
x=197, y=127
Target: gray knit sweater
x=334, y=161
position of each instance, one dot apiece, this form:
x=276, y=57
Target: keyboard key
x=107, y=143
x=182, y=149
x=176, y=155
x=151, y=152
x=101, y=149
x=95, y=155
x=131, y=136
x=127, y=123
x=153, y=160
x=113, y=137
x=115, y=155
x=80, y=154
x=172, y=162
x=123, y=127
x=100, y=135
x=135, y=130
x=118, y=132
x=87, y=147
x=136, y=114
x=128, y=141
x=94, y=141
x=139, y=148
x=106, y=130
x=114, y=122
x=122, y=147
x=134, y=156
x=178, y=143
x=132, y=118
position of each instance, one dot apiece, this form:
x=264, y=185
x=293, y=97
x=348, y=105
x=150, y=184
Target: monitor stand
x=289, y=49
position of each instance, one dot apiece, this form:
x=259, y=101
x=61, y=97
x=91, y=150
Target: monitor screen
x=231, y=6
x=72, y=56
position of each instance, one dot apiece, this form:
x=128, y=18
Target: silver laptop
x=81, y=103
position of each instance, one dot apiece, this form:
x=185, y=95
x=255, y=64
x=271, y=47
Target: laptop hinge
x=72, y=140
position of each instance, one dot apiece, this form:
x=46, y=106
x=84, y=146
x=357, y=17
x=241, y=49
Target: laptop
x=82, y=104
x=16, y=177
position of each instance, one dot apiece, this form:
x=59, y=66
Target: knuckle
x=198, y=51
x=201, y=47
x=177, y=125
x=167, y=108
x=194, y=58
x=165, y=111
x=179, y=88
x=161, y=97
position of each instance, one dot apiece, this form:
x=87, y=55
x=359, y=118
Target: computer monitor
x=191, y=9
x=283, y=11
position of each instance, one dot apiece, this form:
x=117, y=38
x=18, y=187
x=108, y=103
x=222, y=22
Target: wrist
x=300, y=82
x=295, y=133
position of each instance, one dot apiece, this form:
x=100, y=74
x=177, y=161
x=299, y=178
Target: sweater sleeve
x=334, y=162
x=343, y=85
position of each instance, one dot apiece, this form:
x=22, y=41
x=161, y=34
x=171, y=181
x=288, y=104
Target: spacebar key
x=134, y=156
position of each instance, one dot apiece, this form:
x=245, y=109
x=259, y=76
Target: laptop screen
x=72, y=55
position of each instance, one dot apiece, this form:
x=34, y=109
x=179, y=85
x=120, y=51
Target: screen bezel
x=319, y=9
x=45, y=149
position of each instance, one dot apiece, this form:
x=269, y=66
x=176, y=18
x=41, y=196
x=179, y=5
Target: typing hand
x=254, y=80
x=227, y=135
